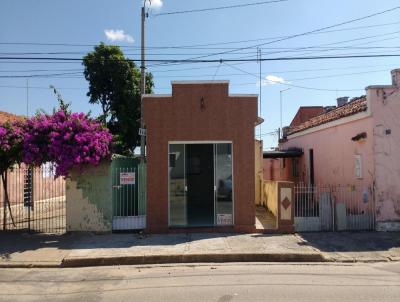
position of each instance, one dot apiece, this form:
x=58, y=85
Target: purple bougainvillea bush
x=11, y=142
x=68, y=140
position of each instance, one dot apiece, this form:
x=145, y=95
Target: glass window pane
x=224, y=183
x=177, y=198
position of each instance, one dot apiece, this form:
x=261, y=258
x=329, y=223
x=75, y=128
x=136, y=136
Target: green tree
x=114, y=83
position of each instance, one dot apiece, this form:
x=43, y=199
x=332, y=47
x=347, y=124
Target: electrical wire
x=281, y=49
x=300, y=34
x=292, y=85
x=217, y=8
x=66, y=59
x=194, y=46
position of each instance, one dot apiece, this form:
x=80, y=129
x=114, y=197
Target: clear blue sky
x=85, y=22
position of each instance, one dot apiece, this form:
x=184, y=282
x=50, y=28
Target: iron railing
x=34, y=200
x=333, y=208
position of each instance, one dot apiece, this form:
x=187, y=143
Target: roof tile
x=354, y=106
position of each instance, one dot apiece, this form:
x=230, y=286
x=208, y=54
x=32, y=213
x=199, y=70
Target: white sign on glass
x=224, y=219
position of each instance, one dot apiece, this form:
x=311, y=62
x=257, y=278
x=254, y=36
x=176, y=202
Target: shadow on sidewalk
x=19, y=242
x=353, y=241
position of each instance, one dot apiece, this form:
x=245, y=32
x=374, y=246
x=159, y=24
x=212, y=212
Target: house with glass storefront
x=203, y=171
x=200, y=158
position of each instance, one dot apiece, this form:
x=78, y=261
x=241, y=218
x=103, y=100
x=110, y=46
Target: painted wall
x=334, y=153
x=200, y=112
x=278, y=169
x=385, y=103
x=279, y=200
x=89, y=199
x=258, y=171
x=271, y=196
x=44, y=184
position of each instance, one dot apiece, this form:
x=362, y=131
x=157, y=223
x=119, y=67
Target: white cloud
x=118, y=35
x=272, y=80
x=156, y=4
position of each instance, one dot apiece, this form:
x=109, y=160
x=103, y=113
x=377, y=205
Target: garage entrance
x=200, y=184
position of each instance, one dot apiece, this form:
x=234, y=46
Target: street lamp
x=280, y=99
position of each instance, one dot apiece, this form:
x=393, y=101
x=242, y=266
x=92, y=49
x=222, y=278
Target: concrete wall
x=258, y=171
x=271, y=196
x=334, y=153
x=200, y=112
x=89, y=199
x=279, y=197
x=385, y=103
x=278, y=169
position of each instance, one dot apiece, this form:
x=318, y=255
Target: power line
x=217, y=8
x=287, y=82
x=209, y=60
x=42, y=70
x=39, y=75
x=337, y=75
x=193, y=46
x=200, y=46
x=301, y=34
x=212, y=66
x=282, y=49
x=345, y=41
x=291, y=85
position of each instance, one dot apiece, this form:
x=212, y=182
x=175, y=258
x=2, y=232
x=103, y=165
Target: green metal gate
x=128, y=193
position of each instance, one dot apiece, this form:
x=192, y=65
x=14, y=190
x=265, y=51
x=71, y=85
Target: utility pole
x=259, y=57
x=280, y=101
x=142, y=84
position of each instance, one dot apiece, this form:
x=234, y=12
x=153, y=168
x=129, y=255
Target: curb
x=192, y=258
x=29, y=265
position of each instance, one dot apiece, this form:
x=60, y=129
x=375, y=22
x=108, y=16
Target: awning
x=283, y=153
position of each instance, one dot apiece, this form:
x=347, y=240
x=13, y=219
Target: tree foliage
x=114, y=83
x=11, y=147
x=11, y=143
x=68, y=140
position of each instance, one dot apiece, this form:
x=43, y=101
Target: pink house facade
x=355, y=144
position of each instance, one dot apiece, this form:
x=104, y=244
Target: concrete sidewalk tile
x=202, y=242
x=117, y=249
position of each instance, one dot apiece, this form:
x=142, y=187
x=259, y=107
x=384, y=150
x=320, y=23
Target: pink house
x=355, y=144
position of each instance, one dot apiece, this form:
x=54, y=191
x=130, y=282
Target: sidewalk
x=74, y=250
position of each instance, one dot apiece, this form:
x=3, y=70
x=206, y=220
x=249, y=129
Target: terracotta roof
x=355, y=106
x=305, y=113
x=9, y=117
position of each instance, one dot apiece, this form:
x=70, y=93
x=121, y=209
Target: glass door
x=200, y=184
x=177, y=185
x=224, y=184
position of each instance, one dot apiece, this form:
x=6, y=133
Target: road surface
x=219, y=282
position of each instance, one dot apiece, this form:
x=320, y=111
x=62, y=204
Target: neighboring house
x=9, y=117
x=305, y=113
x=355, y=144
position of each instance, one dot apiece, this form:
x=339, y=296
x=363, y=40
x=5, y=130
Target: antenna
x=27, y=97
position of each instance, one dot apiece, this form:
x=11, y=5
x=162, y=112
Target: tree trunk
x=6, y=201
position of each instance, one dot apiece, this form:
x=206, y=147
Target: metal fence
x=333, y=208
x=34, y=200
x=129, y=211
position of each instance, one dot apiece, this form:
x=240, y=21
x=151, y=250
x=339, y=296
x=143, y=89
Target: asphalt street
x=206, y=282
